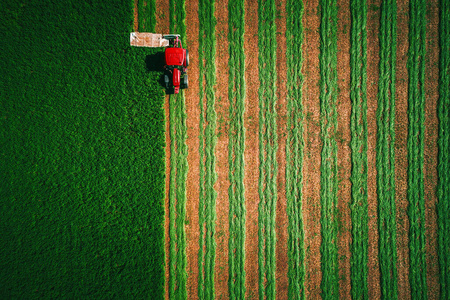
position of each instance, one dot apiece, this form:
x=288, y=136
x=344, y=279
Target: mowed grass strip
x=385, y=151
x=415, y=144
x=443, y=188
x=81, y=156
x=236, y=146
x=178, y=172
x=147, y=15
x=268, y=145
x=207, y=144
x=329, y=166
x=294, y=149
x=358, y=125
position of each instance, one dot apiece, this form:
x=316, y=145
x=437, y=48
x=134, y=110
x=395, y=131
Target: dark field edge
x=268, y=146
x=329, y=166
x=385, y=151
x=294, y=149
x=358, y=93
x=416, y=131
x=147, y=15
x=207, y=146
x=236, y=146
x=443, y=189
x=178, y=171
x=81, y=155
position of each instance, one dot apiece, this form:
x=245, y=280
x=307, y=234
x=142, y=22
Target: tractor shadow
x=155, y=63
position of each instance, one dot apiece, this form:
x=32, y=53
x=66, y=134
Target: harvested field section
x=358, y=94
x=373, y=59
x=294, y=149
x=268, y=146
x=178, y=175
x=329, y=165
x=385, y=154
x=416, y=132
x=443, y=190
x=236, y=148
x=207, y=145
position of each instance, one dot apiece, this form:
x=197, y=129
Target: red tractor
x=177, y=61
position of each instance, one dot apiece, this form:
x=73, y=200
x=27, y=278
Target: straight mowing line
x=443, y=189
x=358, y=94
x=294, y=149
x=268, y=145
x=385, y=154
x=208, y=176
x=178, y=173
x=329, y=168
x=416, y=116
x=236, y=96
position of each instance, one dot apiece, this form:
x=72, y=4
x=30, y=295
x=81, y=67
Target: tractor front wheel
x=186, y=63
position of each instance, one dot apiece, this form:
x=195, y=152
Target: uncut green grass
x=385, y=151
x=443, y=188
x=358, y=126
x=207, y=146
x=329, y=166
x=268, y=145
x=294, y=149
x=415, y=144
x=178, y=171
x=236, y=146
x=81, y=156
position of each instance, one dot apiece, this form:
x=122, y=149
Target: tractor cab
x=176, y=63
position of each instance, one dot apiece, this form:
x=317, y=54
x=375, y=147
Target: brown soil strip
x=222, y=109
x=281, y=272
x=430, y=151
x=136, y=19
x=344, y=109
x=401, y=162
x=373, y=58
x=251, y=147
x=311, y=160
x=192, y=122
x=162, y=16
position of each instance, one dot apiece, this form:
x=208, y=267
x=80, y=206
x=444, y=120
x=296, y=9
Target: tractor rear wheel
x=185, y=81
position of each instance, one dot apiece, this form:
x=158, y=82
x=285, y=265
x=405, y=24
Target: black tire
x=185, y=82
x=187, y=58
x=166, y=81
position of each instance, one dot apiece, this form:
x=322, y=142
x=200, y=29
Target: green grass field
x=81, y=154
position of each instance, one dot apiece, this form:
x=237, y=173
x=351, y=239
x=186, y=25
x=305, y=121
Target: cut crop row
x=385, y=151
x=329, y=166
x=416, y=131
x=178, y=173
x=294, y=149
x=207, y=145
x=146, y=15
x=443, y=188
x=358, y=95
x=268, y=145
x=236, y=145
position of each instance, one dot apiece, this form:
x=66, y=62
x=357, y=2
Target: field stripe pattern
x=207, y=146
x=329, y=166
x=385, y=151
x=268, y=146
x=236, y=146
x=358, y=95
x=178, y=173
x=443, y=188
x=294, y=149
x=416, y=118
